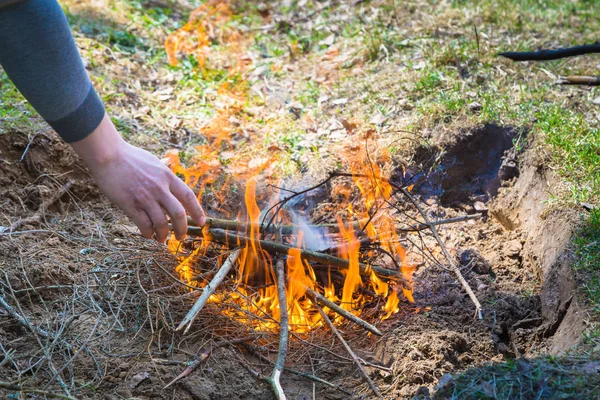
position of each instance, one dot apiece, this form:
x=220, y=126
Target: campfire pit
x=275, y=271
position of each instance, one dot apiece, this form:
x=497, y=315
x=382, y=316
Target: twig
x=21, y=320
x=546, y=54
x=424, y=226
x=18, y=388
x=204, y=356
x=579, y=80
x=41, y=210
x=451, y=262
x=232, y=239
x=310, y=377
x=283, y=332
x=337, y=333
x=209, y=290
x=319, y=298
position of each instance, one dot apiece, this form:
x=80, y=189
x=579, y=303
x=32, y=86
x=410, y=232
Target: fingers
x=143, y=222
x=177, y=213
x=159, y=221
x=189, y=201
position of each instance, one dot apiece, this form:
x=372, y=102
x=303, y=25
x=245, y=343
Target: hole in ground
x=472, y=168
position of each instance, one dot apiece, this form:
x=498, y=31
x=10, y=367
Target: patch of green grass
x=15, y=111
x=543, y=378
x=587, y=257
x=577, y=149
x=309, y=95
x=428, y=82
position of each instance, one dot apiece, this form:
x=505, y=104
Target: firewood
x=339, y=336
x=208, y=291
x=324, y=301
x=231, y=225
x=234, y=240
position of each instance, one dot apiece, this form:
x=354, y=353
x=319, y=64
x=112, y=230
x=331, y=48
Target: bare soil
x=514, y=258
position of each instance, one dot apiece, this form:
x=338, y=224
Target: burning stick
x=232, y=239
x=209, y=290
x=337, y=333
x=459, y=275
x=231, y=225
x=319, y=298
x=283, y=333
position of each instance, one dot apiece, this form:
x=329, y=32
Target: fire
x=254, y=285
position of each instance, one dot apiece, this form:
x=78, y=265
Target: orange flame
x=256, y=291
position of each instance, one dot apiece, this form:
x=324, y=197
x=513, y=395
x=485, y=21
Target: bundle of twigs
x=235, y=235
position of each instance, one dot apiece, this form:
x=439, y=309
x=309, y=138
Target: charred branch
x=234, y=240
x=555, y=54
x=579, y=80
x=236, y=226
x=284, y=327
x=324, y=301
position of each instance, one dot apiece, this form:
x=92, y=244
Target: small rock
x=138, y=378
x=446, y=381
x=504, y=349
x=339, y=102
x=596, y=101
x=513, y=248
x=475, y=106
x=262, y=7
x=423, y=391
x=480, y=206
x=524, y=366
x=472, y=259
x=328, y=41
x=405, y=104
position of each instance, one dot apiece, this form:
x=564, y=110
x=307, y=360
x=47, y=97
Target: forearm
x=38, y=53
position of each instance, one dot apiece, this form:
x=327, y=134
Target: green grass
x=576, y=147
x=587, y=256
x=545, y=378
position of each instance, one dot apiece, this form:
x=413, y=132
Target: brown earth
x=95, y=279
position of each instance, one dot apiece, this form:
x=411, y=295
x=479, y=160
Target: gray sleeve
x=39, y=55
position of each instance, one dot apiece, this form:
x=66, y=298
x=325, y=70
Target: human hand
x=139, y=184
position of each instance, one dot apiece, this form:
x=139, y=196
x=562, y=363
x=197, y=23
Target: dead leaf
x=488, y=389
x=175, y=123
x=141, y=112
x=257, y=162
x=226, y=155
x=349, y=125
x=138, y=378
x=328, y=41
x=340, y=101
x=378, y=119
